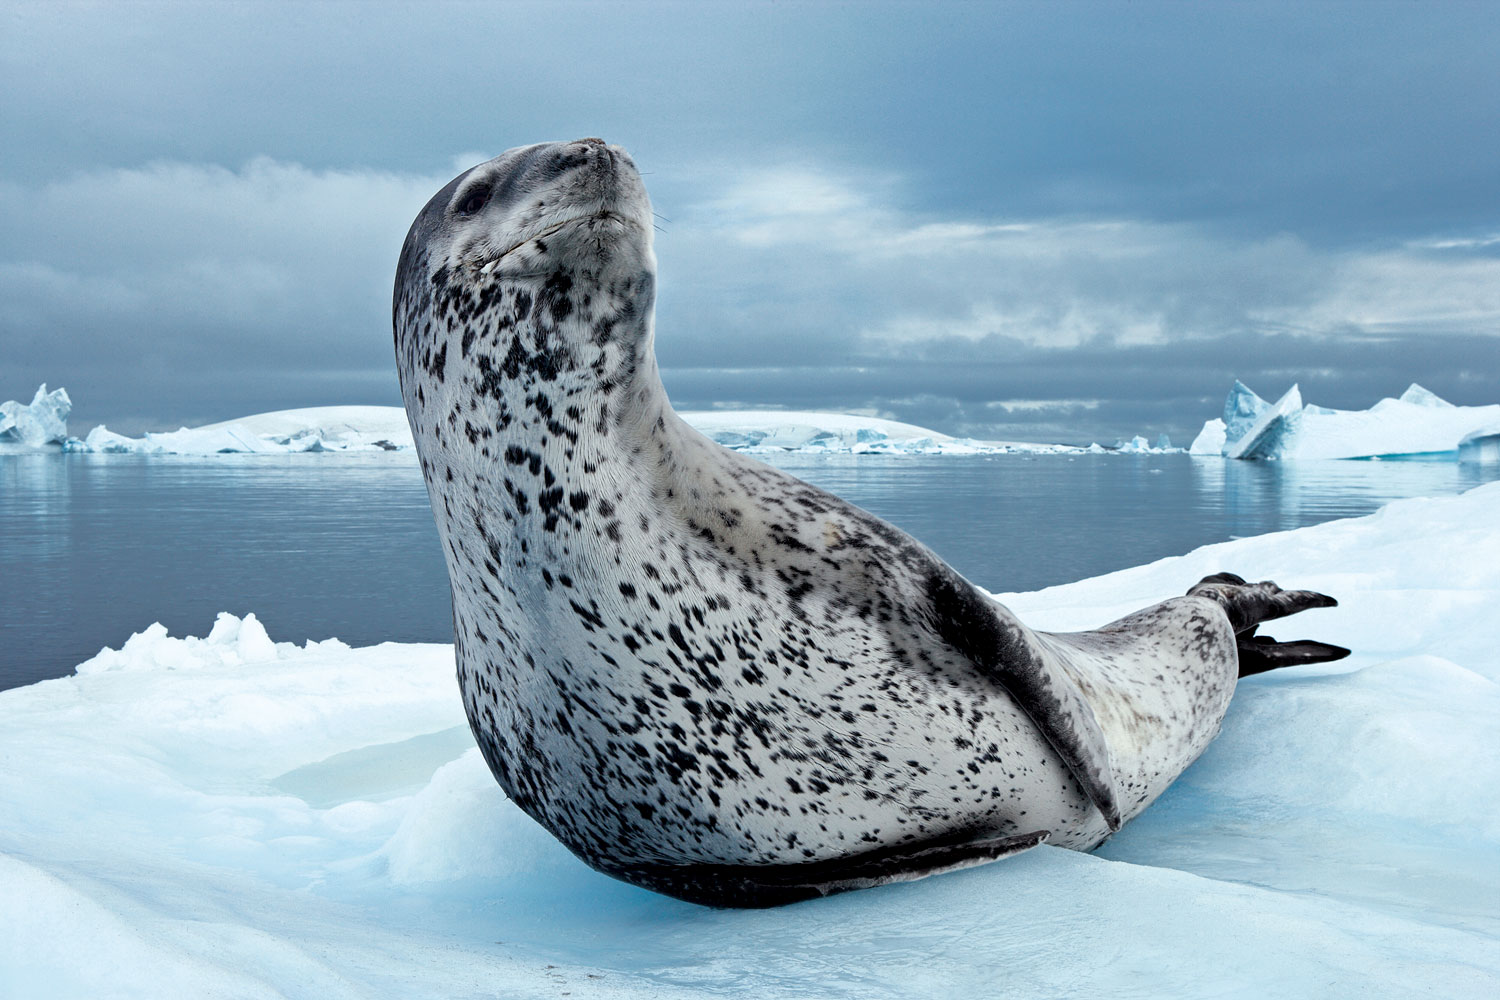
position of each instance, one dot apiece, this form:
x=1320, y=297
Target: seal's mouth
x=601, y=216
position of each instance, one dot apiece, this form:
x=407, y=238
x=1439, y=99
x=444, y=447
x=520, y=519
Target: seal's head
x=533, y=265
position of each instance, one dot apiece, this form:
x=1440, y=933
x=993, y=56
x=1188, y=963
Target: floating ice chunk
x=1138, y=445
x=1417, y=423
x=1272, y=431
x=43, y=422
x=1242, y=408
x=1210, y=440
x=102, y=439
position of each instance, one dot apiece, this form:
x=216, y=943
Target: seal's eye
x=473, y=201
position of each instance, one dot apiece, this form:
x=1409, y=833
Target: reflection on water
x=95, y=547
x=1013, y=522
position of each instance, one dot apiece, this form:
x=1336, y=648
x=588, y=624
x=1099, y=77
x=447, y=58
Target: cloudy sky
x=1053, y=221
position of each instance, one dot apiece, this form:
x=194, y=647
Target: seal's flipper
x=1006, y=652
x=754, y=886
x=1259, y=653
x=1249, y=604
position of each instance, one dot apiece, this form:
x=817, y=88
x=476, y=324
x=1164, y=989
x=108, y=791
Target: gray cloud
x=1340, y=121
x=934, y=212
x=179, y=292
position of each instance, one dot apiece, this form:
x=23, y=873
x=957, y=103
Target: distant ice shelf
x=1419, y=422
x=384, y=428
x=316, y=428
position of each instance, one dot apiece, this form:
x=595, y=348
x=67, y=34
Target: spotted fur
x=700, y=673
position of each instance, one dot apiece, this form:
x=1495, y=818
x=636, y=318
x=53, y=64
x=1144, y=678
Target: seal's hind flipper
x=1259, y=653
x=1249, y=604
x=755, y=886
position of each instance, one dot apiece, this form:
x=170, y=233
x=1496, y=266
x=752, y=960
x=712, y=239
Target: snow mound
x=230, y=816
x=1417, y=423
x=231, y=642
x=27, y=427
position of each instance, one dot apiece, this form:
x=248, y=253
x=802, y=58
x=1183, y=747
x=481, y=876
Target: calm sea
x=95, y=547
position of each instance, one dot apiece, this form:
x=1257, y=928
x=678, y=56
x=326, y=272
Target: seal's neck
x=547, y=423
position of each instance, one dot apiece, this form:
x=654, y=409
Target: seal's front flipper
x=1249, y=604
x=775, y=885
x=1259, y=653
x=1009, y=654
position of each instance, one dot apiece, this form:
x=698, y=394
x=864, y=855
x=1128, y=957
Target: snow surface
x=1417, y=423
x=384, y=428
x=233, y=817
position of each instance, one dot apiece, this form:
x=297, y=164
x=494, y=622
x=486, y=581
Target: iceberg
x=1271, y=433
x=1210, y=440
x=1418, y=422
x=235, y=816
x=1135, y=446
x=44, y=422
x=1242, y=408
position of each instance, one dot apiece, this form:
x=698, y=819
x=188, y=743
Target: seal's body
x=700, y=673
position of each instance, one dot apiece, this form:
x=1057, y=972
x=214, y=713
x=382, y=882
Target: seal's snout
x=586, y=155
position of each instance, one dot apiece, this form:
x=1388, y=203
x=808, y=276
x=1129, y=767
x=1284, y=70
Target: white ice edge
x=384, y=428
x=230, y=816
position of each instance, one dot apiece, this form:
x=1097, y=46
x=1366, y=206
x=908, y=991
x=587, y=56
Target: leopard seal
x=701, y=674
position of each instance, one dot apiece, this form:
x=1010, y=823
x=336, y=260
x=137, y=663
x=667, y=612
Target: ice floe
x=232, y=816
x=1419, y=422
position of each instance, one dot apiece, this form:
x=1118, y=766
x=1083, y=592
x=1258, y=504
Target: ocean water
x=95, y=547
